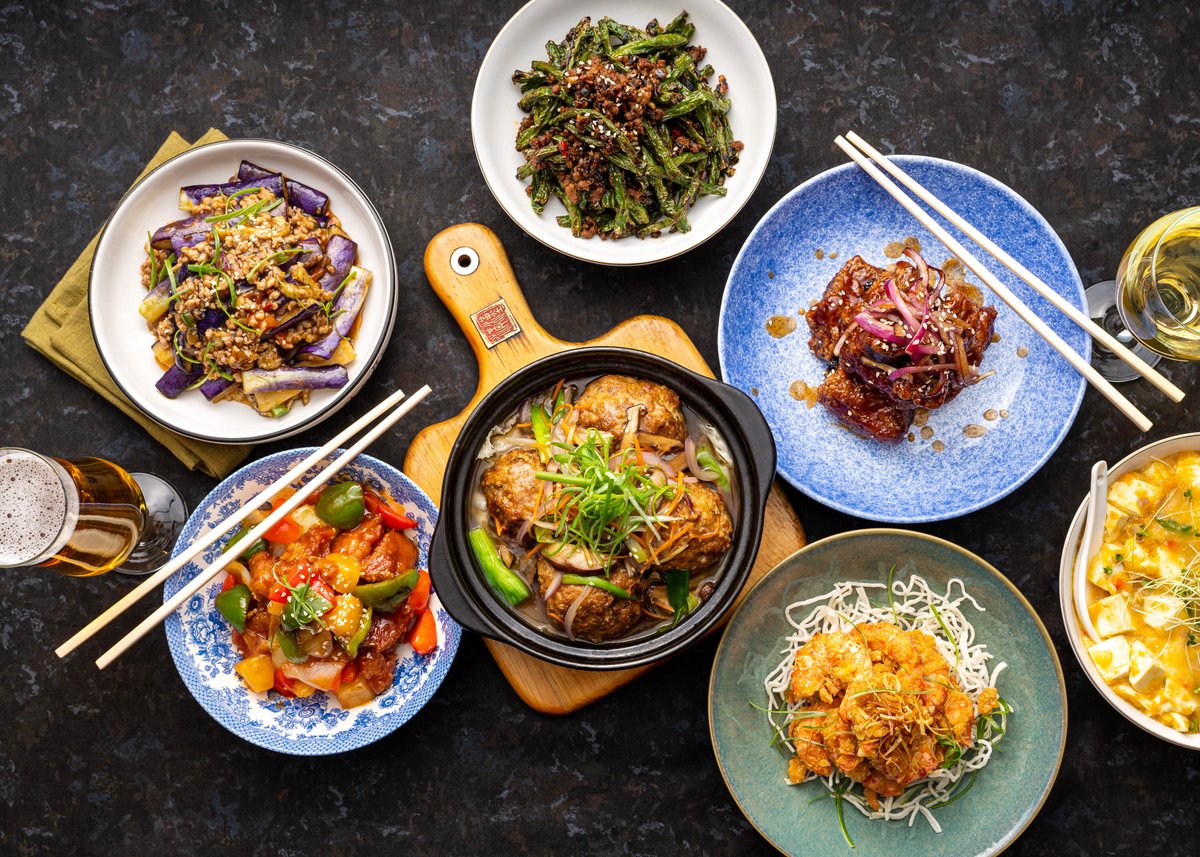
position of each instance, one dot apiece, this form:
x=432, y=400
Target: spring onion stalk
x=598, y=582
x=707, y=459
x=541, y=431
x=503, y=579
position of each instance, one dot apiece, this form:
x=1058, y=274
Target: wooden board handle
x=469, y=270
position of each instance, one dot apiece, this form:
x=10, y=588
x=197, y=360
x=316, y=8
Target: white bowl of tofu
x=1141, y=591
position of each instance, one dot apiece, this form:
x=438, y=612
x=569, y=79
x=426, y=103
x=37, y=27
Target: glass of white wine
x=1154, y=303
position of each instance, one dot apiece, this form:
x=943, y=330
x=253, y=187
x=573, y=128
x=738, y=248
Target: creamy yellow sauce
x=1147, y=579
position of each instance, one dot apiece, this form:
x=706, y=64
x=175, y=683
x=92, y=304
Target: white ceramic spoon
x=1093, y=535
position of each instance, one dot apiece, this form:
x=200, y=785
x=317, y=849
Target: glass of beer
x=1154, y=304
x=84, y=516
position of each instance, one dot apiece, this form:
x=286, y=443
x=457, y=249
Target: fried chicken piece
x=829, y=317
x=861, y=408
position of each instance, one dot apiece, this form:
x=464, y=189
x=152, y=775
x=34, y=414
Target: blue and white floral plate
x=205, y=655
x=1025, y=409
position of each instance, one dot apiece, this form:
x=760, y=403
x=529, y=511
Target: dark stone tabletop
x=1088, y=110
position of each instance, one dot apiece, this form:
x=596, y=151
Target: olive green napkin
x=62, y=332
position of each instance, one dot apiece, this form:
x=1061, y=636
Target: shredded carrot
x=499, y=526
x=674, y=537
x=533, y=551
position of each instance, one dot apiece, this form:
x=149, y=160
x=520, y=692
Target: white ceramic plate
x=495, y=117
x=1066, y=598
x=115, y=289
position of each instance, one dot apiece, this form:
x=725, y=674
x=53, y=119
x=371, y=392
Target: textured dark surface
x=1088, y=110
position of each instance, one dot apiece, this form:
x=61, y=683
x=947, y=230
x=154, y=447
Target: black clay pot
x=465, y=592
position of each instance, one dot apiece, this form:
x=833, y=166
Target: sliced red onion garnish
x=913, y=370
x=919, y=263
x=569, y=618
x=902, y=307
x=877, y=328
x=555, y=582
x=523, y=530
x=653, y=459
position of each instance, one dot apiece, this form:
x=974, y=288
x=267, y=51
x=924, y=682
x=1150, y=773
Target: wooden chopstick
x=257, y=532
x=1000, y=290
x=1060, y=303
x=153, y=581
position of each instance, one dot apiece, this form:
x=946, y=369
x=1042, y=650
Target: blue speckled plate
x=1007, y=793
x=205, y=655
x=843, y=211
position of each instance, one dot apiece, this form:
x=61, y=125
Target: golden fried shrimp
x=826, y=664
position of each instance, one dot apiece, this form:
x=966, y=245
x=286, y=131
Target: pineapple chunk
x=258, y=672
x=1111, y=616
x=1160, y=609
x=1111, y=658
x=343, y=620
x=1146, y=674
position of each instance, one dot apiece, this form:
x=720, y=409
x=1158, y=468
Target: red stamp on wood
x=495, y=323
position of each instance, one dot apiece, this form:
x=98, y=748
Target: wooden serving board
x=468, y=268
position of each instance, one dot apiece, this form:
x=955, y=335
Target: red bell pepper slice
x=229, y=582
x=284, y=532
x=423, y=636
x=418, y=599
x=391, y=517
x=283, y=684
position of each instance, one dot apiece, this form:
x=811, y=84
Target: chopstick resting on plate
x=1000, y=290
x=212, y=535
x=1036, y=283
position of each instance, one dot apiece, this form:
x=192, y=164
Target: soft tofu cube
x=1168, y=563
x=1176, y=721
x=1146, y=674
x=1136, y=558
x=1133, y=495
x=1111, y=616
x=1187, y=472
x=1160, y=609
x=1111, y=658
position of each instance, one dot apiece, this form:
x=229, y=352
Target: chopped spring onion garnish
x=598, y=508
x=274, y=259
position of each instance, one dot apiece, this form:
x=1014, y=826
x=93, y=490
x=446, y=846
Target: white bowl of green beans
x=655, y=186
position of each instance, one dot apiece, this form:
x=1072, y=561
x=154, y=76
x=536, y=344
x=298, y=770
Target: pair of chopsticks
x=1000, y=290
x=391, y=403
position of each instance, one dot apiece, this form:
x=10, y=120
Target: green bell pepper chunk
x=258, y=545
x=233, y=604
x=364, y=626
x=387, y=594
x=342, y=505
x=290, y=648
x=503, y=579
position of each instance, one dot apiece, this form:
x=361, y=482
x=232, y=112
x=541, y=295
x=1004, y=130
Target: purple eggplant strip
x=214, y=387
x=307, y=312
x=294, y=378
x=309, y=200
x=253, y=172
x=345, y=310
x=175, y=380
x=341, y=252
x=165, y=236
x=192, y=195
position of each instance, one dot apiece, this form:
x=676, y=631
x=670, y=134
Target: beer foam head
x=33, y=506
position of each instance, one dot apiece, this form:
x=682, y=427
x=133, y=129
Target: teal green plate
x=1008, y=792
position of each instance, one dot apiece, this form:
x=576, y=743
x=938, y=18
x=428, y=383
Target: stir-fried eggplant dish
x=255, y=295
x=603, y=509
x=322, y=602
x=896, y=339
x=624, y=128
